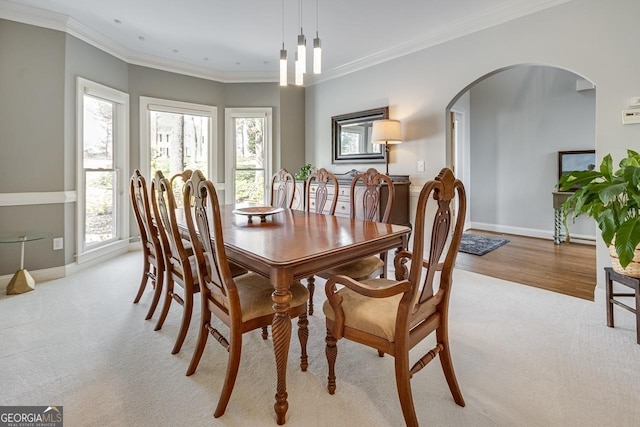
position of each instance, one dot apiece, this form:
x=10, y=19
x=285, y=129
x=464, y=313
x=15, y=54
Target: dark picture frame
x=357, y=125
x=575, y=160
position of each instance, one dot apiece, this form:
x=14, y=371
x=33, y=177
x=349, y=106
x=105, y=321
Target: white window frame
x=121, y=166
x=148, y=104
x=230, y=151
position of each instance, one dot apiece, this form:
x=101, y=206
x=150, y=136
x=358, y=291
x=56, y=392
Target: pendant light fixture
x=317, y=49
x=300, y=52
x=299, y=74
x=283, y=55
x=302, y=42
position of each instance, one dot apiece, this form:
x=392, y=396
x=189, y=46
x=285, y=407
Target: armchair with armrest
x=393, y=316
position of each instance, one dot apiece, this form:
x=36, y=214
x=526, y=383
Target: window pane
x=249, y=142
x=249, y=186
x=100, y=223
x=98, y=133
x=178, y=142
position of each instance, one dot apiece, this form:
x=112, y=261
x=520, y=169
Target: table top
x=23, y=236
x=298, y=238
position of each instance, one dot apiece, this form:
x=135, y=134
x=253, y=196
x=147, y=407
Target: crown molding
x=487, y=19
x=55, y=21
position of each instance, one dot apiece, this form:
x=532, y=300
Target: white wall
x=520, y=119
x=588, y=37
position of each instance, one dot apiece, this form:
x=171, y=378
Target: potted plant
x=304, y=172
x=612, y=198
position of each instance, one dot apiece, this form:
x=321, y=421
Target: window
x=248, y=154
x=103, y=147
x=175, y=136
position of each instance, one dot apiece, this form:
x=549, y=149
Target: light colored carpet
x=523, y=357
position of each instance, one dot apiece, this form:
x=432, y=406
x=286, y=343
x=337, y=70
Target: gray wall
x=520, y=119
x=591, y=38
x=38, y=70
x=31, y=138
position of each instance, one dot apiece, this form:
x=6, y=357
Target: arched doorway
x=505, y=131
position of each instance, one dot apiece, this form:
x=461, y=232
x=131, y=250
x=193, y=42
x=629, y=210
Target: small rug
x=479, y=245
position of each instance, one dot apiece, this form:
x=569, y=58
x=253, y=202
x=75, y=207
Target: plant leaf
x=627, y=238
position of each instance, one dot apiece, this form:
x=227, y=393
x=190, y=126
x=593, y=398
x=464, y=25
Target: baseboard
x=530, y=232
x=47, y=274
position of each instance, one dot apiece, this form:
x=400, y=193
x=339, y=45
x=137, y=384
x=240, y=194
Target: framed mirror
x=351, y=137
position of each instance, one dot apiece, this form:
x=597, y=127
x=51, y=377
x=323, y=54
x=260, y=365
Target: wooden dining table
x=292, y=245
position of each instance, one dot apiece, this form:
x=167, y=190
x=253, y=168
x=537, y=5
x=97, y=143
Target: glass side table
x=21, y=281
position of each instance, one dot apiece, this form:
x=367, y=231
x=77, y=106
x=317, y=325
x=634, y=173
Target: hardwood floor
x=569, y=269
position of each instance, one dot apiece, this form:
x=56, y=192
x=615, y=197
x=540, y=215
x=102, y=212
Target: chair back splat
x=367, y=204
x=153, y=267
x=393, y=316
x=283, y=189
x=322, y=179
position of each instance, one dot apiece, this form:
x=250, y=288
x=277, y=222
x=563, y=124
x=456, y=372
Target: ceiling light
x=317, y=49
x=283, y=55
x=302, y=42
x=299, y=72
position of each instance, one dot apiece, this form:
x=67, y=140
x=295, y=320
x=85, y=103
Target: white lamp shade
x=386, y=132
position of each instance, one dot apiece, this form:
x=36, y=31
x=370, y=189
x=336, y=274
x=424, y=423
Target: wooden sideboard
x=399, y=211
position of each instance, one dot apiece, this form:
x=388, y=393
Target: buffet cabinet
x=399, y=210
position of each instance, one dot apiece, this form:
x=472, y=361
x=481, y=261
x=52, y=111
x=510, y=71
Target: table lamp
x=386, y=132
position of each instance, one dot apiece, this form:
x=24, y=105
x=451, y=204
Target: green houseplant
x=304, y=172
x=612, y=198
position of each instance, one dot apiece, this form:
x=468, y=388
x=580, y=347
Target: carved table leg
x=281, y=335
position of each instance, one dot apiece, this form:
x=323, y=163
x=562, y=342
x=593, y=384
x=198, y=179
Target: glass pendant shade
x=283, y=67
x=317, y=56
x=299, y=73
x=302, y=51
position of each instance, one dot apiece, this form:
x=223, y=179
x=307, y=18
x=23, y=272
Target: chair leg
x=332, y=353
x=265, y=332
x=447, y=366
x=403, y=381
x=159, y=282
x=167, y=303
x=235, y=350
x=203, y=335
x=143, y=283
x=303, y=335
x=311, y=286
x=186, y=320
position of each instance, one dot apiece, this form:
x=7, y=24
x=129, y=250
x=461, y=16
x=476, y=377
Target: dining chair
x=283, y=189
x=393, y=316
x=243, y=303
x=179, y=261
x=366, y=204
x=153, y=257
x=317, y=203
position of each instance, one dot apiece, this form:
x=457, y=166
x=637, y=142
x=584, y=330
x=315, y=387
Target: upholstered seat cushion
x=193, y=262
x=359, y=269
x=255, y=295
x=375, y=316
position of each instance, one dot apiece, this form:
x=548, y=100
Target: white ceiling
x=240, y=40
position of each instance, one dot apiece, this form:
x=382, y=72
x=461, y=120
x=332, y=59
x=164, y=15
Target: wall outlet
x=420, y=165
x=634, y=101
x=58, y=243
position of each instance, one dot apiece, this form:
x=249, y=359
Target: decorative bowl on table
x=261, y=211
